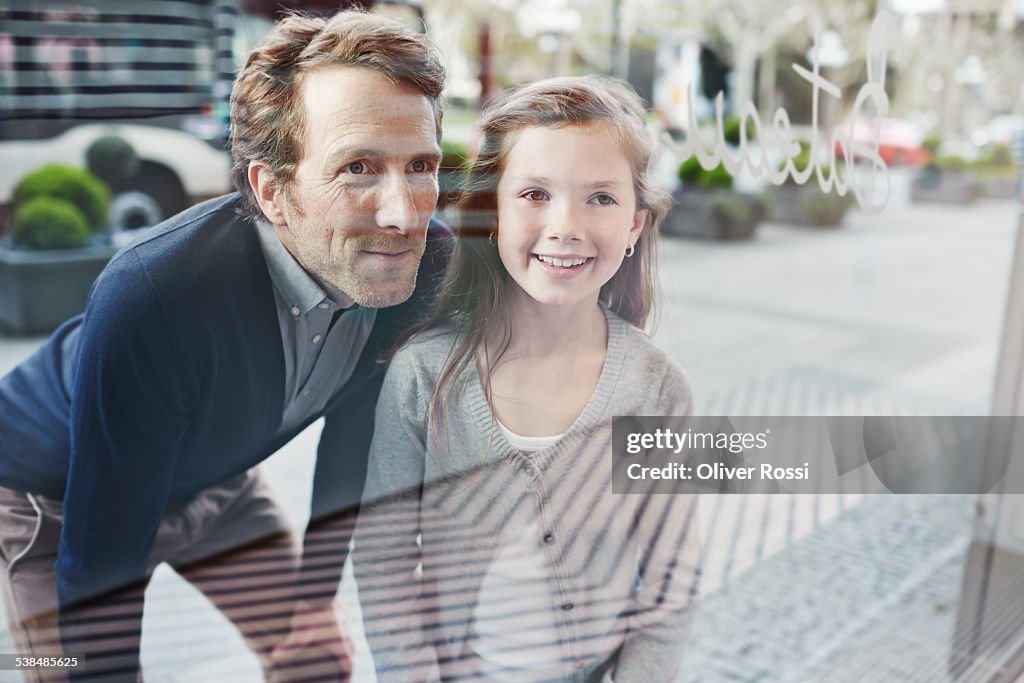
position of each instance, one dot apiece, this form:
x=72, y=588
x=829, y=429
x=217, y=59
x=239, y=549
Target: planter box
x=999, y=188
x=950, y=187
x=807, y=206
x=718, y=215
x=41, y=289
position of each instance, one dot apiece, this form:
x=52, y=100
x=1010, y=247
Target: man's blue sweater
x=171, y=382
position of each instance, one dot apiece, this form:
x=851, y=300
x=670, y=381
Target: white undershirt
x=529, y=444
x=514, y=629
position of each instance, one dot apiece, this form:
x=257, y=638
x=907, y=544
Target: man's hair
x=267, y=113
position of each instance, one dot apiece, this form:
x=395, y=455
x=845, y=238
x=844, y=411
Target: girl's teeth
x=562, y=263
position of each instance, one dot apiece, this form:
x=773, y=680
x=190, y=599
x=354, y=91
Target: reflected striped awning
x=113, y=58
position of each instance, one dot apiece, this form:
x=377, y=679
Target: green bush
x=75, y=185
x=998, y=156
x=454, y=157
x=931, y=143
x=731, y=130
x=716, y=179
x=692, y=173
x=49, y=223
x=689, y=171
x=953, y=162
x=800, y=162
x=112, y=159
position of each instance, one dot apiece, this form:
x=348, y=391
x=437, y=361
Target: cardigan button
x=567, y=606
x=530, y=470
x=549, y=538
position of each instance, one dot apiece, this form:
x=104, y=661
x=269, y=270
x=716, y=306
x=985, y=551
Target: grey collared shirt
x=318, y=357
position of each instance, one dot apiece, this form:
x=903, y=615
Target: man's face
x=355, y=215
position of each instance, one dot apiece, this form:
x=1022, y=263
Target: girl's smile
x=563, y=266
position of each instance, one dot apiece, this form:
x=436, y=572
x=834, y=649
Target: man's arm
x=337, y=490
x=129, y=411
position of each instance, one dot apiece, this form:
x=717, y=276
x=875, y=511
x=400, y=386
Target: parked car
x=899, y=140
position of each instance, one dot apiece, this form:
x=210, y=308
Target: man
x=129, y=438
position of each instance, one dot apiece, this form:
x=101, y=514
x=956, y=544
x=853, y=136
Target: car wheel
x=160, y=185
x=132, y=209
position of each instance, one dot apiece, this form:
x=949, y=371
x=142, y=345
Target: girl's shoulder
x=647, y=367
x=426, y=353
x=637, y=346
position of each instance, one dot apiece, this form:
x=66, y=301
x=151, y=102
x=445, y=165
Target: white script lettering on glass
x=781, y=135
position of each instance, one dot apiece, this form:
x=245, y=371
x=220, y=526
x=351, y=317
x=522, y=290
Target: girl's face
x=566, y=212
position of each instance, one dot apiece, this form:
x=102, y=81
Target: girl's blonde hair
x=475, y=294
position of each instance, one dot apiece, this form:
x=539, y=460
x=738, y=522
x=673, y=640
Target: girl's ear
x=639, y=221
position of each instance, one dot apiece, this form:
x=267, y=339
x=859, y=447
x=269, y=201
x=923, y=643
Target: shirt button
x=324, y=306
x=305, y=392
x=317, y=338
x=549, y=538
x=579, y=664
x=295, y=311
x=567, y=606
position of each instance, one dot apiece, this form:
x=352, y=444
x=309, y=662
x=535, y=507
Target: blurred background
x=777, y=300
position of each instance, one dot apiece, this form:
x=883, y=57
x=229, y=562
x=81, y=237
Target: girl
x=493, y=429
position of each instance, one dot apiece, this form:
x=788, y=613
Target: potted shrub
x=997, y=173
x=943, y=178
x=947, y=179
x=731, y=126
x=930, y=143
x=55, y=248
x=806, y=204
x=114, y=161
x=78, y=186
x=454, y=159
x=705, y=205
